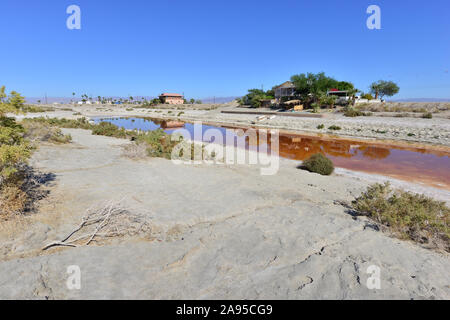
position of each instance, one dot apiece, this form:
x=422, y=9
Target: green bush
x=427, y=115
x=159, y=143
x=335, y=128
x=320, y=164
x=353, y=112
x=108, y=129
x=407, y=215
x=14, y=153
x=35, y=109
x=81, y=123
x=320, y=126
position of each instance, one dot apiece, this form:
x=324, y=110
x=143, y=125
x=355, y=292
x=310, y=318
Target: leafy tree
x=198, y=102
x=383, y=88
x=16, y=100
x=255, y=97
x=192, y=101
x=2, y=94
x=367, y=96
x=312, y=88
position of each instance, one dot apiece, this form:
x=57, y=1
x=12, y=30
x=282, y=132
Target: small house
x=171, y=98
x=286, y=89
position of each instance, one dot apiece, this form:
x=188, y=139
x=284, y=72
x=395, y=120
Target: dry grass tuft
x=13, y=201
x=135, y=151
x=39, y=131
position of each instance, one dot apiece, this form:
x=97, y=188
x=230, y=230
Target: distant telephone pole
x=46, y=102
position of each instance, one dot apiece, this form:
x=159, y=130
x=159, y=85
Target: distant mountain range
x=421, y=100
x=65, y=100
x=51, y=100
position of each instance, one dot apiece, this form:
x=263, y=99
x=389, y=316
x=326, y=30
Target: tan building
x=286, y=89
x=171, y=98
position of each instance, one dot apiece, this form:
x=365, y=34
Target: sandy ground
x=218, y=232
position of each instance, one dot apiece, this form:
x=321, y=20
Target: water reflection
x=413, y=164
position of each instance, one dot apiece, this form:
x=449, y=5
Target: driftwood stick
x=58, y=244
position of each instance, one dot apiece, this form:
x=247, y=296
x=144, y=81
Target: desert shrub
x=81, y=123
x=13, y=200
x=159, y=143
x=320, y=126
x=108, y=129
x=35, y=109
x=407, y=215
x=352, y=112
x=14, y=153
x=427, y=115
x=102, y=129
x=335, y=128
x=318, y=163
x=36, y=131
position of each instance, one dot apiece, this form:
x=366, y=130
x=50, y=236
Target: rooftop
x=171, y=95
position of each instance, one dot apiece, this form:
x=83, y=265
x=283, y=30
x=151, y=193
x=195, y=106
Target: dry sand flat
x=217, y=232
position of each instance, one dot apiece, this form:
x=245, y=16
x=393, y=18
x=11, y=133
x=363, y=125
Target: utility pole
x=46, y=102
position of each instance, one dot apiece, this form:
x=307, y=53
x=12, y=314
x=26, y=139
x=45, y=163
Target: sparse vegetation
x=350, y=111
x=427, y=115
x=14, y=153
x=81, y=123
x=318, y=163
x=109, y=130
x=36, y=131
x=158, y=143
x=255, y=97
x=334, y=128
x=321, y=126
x=407, y=215
x=35, y=109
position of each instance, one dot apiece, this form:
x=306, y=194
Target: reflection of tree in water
x=374, y=152
x=302, y=148
x=157, y=121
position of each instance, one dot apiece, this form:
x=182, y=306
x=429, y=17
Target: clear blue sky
x=220, y=48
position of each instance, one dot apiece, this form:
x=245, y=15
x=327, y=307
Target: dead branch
x=107, y=221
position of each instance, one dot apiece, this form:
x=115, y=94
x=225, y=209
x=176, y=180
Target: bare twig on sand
x=110, y=220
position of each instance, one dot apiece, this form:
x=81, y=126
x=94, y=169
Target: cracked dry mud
x=218, y=232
